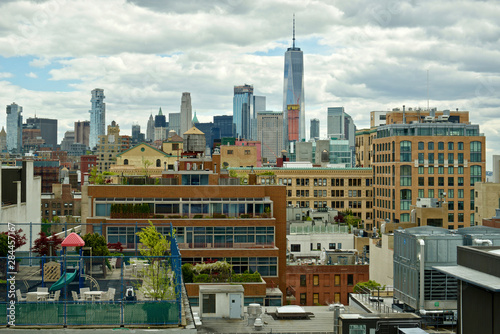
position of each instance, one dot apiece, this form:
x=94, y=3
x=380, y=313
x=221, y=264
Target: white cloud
x=368, y=56
x=4, y=75
x=32, y=75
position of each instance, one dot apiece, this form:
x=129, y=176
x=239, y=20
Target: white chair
x=20, y=297
x=128, y=269
x=31, y=297
x=112, y=262
x=57, y=294
x=40, y=289
x=75, y=297
x=82, y=293
x=111, y=294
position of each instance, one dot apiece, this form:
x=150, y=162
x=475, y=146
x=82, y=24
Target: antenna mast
x=293, y=31
x=428, y=90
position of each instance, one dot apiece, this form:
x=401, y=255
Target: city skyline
x=364, y=56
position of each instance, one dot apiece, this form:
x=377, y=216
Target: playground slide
x=61, y=281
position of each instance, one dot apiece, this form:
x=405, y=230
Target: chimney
x=404, y=115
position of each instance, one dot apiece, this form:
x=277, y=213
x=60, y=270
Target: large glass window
x=430, y=157
x=475, y=174
x=430, y=145
x=441, y=145
x=405, y=149
x=405, y=199
x=405, y=175
x=475, y=151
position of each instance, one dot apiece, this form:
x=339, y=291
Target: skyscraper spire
x=293, y=39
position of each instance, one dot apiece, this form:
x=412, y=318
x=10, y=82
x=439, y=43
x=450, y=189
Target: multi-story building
x=341, y=126
x=270, y=134
x=242, y=110
x=48, y=129
x=14, y=128
x=328, y=282
x=150, y=129
x=225, y=125
x=82, y=132
x=244, y=225
x=137, y=136
x=259, y=104
x=293, y=114
x=109, y=146
x=314, y=130
x=62, y=201
x=338, y=188
x=161, y=127
x=68, y=140
x=97, y=117
x=174, y=122
x=3, y=140
x=87, y=163
x=363, y=146
x=186, y=114
x=32, y=139
x=293, y=87
x=441, y=157
x=47, y=169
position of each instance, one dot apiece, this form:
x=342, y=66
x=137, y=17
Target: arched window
x=158, y=163
x=405, y=151
x=475, y=151
x=125, y=162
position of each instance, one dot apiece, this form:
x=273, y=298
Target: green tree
x=369, y=285
x=158, y=275
x=145, y=166
x=96, y=177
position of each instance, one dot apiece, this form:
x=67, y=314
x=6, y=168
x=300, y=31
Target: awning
x=73, y=240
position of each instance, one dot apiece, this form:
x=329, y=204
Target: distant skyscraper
x=293, y=87
x=97, y=117
x=14, y=128
x=174, y=122
x=259, y=104
x=225, y=125
x=48, y=129
x=186, y=113
x=3, y=140
x=82, y=132
x=242, y=110
x=150, y=129
x=270, y=134
x=293, y=111
x=137, y=136
x=314, y=131
x=341, y=126
x=160, y=126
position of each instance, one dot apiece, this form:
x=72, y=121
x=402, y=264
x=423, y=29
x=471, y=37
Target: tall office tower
x=440, y=158
x=67, y=141
x=186, y=113
x=293, y=114
x=3, y=140
x=242, y=110
x=82, y=132
x=174, y=122
x=14, y=128
x=160, y=126
x=48, y=129
x=341, y=126
x=293, y=87
x=270, y=134
x=259, y=104
x=97, y=117
x=137, y=136
x=314, y=130
x=150, y=129
x=225, y=125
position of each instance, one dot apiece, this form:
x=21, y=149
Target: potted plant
x=118, y=249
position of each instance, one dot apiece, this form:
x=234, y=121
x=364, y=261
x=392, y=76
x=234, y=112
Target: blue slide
x=66, y=278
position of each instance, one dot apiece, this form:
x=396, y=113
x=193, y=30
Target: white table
x=93, y=295
x=42, y=296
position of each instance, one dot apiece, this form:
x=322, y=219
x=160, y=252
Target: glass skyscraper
x=293, y=87
x=97, y=117
x=14, y=128
x=242, y=110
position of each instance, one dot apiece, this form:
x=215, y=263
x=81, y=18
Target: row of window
x=331, y=245
x=336, y=280
x=334, y=182
x=333, y=193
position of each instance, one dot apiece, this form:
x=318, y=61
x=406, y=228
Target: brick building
x=62, y=201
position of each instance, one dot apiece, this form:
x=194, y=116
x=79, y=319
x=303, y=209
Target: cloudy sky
x=363, y=55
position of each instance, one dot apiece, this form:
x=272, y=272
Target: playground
x=75, y=290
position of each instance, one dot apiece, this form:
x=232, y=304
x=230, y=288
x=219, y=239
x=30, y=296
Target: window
x=430, y=146
x=315, y=298
x=460, y=205
x=303, y=298
x=315, y=280
x=451, y=193
x=460, y=146
x=460, y=181
x=295, y=247
x=450, y=158
x=405, y=175
x=247, y=152
x=441, y=145
x=451, y=205
x=350, y=279
x=303, y=280
x=440, y=158
x=125, y=162
x=331, y=245
x=450, y=181
x=421, y=182
x=158, y=163
x=209, y=303
x=440, y=170
x=475, y=174
x=430, y=193
x=357, y=329
x=229, y=151
x=460, y=158
x=420, y=145
x=430, y=181
x=421, y=170
x=450, y=146
x=430, y=157
x=337, y=297
x=405, y=148
x=336, y=280
x=475, y=151
x=420, y=158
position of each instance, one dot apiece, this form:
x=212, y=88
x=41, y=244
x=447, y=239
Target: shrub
x=255, y=277
x=219, y=215
x=202, y=278
x=198, y=216
x=187, y=272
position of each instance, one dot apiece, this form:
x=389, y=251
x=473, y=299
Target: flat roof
x=486, y=281
x=221, y=288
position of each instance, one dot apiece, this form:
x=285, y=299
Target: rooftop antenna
x=293, y=39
